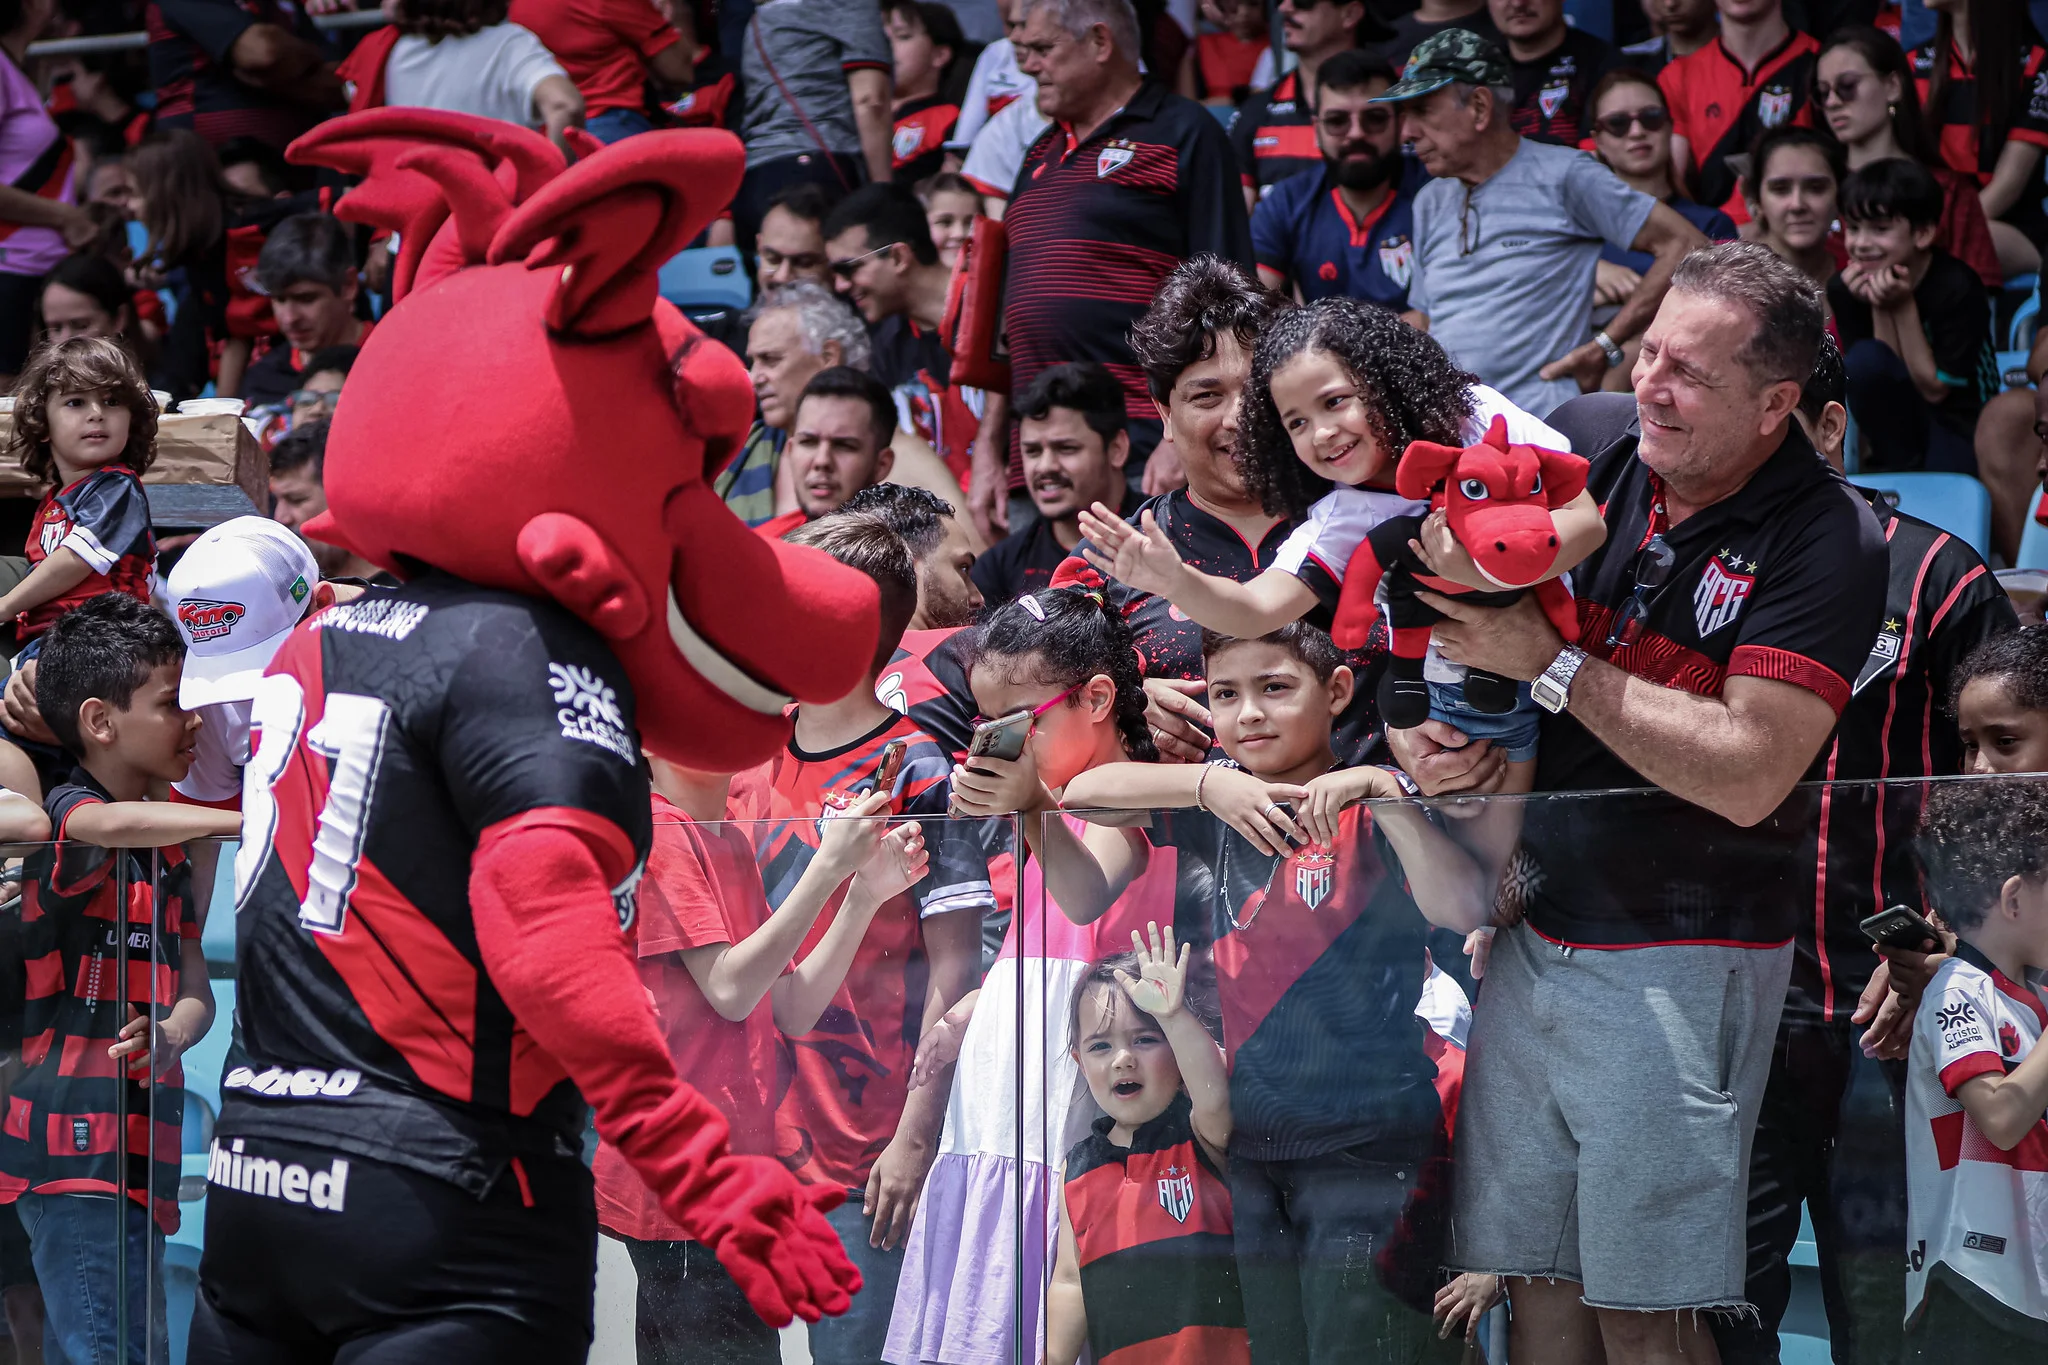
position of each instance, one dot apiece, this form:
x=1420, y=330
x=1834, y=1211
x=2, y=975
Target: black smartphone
x=1901, y=927
x=1002, y=737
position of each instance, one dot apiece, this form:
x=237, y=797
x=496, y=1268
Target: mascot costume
x=446, y=813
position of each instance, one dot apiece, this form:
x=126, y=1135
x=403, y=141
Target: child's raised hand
x=898, y=863
x=1140, y=556
x=1160, y=987
x=1464, y=1301
x=1251, y=806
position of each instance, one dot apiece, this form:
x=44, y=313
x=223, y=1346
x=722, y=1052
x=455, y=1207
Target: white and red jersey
x=1976, y=1214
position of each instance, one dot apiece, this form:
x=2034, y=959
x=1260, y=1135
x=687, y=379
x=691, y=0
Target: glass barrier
x=1430, y=1042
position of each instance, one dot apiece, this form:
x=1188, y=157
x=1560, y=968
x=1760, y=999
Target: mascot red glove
x=532, y=419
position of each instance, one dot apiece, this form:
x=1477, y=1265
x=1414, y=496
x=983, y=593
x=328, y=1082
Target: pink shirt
x=26, y=134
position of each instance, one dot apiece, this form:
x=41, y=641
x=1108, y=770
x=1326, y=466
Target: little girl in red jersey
x=84, y=420
x=1145, y=1251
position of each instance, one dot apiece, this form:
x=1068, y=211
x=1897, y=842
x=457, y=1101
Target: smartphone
x=1002, y=737
x=1901, y=927
x=891, y=766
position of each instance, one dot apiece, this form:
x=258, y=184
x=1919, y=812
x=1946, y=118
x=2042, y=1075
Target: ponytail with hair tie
x=1065, y=636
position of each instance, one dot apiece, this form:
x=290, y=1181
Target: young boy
x=108, y=687
x=849, y=1116
x=1319, y=959
x=1977, y=1085
x=1914, y=323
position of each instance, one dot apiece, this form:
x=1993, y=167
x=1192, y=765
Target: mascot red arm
x=532, y=417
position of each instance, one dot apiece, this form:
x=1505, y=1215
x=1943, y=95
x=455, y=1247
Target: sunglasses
x=1337, y=122
x=1844, y=89
x=1654, y=119
x=1653, y=566
x=845, y=269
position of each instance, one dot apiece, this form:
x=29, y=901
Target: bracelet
x=1199, y=783
x=1615, y=355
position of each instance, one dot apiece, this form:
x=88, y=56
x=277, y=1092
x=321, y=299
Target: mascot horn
x=446, y=813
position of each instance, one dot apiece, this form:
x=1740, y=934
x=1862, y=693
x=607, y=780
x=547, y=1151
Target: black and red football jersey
x=390, y=734
x=103, y=518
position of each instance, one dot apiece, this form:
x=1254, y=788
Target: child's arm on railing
x=148, y=824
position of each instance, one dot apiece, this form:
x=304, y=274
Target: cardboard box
x=210, y=450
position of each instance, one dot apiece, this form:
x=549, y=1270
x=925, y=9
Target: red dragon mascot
x=446, y=811
x=1498, y=498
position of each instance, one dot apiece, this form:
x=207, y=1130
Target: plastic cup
x=210, y=407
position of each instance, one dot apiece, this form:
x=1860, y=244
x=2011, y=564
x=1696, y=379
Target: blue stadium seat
x=1956, y=503
x=706, y=277
x=2033, y=546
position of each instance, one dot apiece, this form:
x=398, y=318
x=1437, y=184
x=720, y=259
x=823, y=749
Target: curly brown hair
x=1411, y=389
x=1975, y=833
x=80, y=365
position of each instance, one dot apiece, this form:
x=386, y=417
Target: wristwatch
x=1552, y=690
x=1606, y=343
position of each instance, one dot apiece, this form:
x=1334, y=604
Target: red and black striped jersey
x=1940, y=603
x=391, y=734
x=1963, y=144
x=917, y=142
x=1719, y=106
x=1152, y=1234
x=103, y=518
x=62, y=1132
x=189, y=42
x=1274, y=135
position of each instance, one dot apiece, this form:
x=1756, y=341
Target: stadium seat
x=2033, y=546
x=1956, y=503
x=706, y=277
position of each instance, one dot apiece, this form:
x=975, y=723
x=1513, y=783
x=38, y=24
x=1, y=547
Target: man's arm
x=558, y=104
x=278, y=62
x=988, y=483
x=1668, y=238
x=870, y=91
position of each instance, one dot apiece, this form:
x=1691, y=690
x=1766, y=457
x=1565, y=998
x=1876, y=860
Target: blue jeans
x=857, y=1336
x=71, y=1239
x=609, y=125
x=1897, y=428
x=1514, y=732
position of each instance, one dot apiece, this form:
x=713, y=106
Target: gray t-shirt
x=811, y=45
x=1509, y=288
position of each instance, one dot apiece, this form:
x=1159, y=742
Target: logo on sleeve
x=1722, y=591
x=1958, y=1023
x=1315, y=872
x=589, y=709
x=205, y=619
x=626, y=896
x=2008, y=1039
x=1177, y=1193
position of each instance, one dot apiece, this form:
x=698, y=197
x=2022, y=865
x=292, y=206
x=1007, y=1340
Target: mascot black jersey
x=393, y=734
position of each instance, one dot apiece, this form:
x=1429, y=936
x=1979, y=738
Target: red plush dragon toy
x=1498, y=498
x=446, y=812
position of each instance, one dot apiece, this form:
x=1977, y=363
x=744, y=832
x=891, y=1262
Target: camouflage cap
x=1456, y=54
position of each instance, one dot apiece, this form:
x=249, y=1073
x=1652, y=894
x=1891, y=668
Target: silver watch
x=1552, y=690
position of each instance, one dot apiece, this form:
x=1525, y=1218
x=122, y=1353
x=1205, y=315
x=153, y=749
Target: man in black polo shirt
x=1128, y=181
x=1617, y=1069
x=1274, y=134
x=1554, y=67
x=1070, y=428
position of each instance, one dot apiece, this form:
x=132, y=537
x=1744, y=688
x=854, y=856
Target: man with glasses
x=1508, y=238
x=320, y=384
x=1346, y=227
x=791, y=243
x=1274, y=135
x=1723, y=627
x=1553, y=67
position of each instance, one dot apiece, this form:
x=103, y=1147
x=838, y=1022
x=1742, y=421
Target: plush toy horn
x=657, y=191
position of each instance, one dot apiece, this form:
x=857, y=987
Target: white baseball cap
x=236, y=593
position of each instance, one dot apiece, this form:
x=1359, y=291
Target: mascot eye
x=1473, y=489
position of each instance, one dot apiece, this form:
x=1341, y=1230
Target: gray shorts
x=1610, y=1098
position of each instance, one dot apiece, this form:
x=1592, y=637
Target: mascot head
x=532, y=416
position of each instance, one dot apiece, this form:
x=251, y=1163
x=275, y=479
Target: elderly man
x=794, y=332
x=1508, y=238
x=1131, y=180
x=1615, y=1075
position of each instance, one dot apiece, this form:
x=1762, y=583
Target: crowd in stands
x=1066, y=942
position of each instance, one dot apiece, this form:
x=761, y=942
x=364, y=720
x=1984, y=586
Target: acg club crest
x=1112, y=159
x=1723, y=588
x=1177, y=1193
x=1773, y=105
x=1315, y=872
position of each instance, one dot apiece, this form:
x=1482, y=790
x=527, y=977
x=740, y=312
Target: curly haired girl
x=83, y=420
x=1338, y=391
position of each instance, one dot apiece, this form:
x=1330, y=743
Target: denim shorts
x=1513, y=731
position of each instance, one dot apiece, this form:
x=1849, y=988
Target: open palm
x=1161, y=983
x=1139, y=556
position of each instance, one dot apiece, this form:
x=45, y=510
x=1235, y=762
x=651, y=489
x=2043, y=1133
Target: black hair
x=438, y=19
x=2017, y=659
x=2000, y=30
x=1883, y=55
x=1974, y=834
x=1411, y=389
x=1352, y=69
x=271, y=167
x=1306, y=644
x=303, y=447
x=1086, y=386
x=915, y=514
x=105, y=647
x=1069, y=635
x=315, y=248
x=844, y=381
x=806, y=200
x=96, y=277
x=339, y=359
x=1204, y=297
x=1773, y=140
x=891, y=214
x=1892, y=188
x=1829, y=382
x=863, y=541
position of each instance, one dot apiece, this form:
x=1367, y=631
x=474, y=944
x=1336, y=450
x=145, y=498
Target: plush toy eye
x=1537, y=487
x=1473, y=489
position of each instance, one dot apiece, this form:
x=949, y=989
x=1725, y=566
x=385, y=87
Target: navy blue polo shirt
x=1304, y=230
